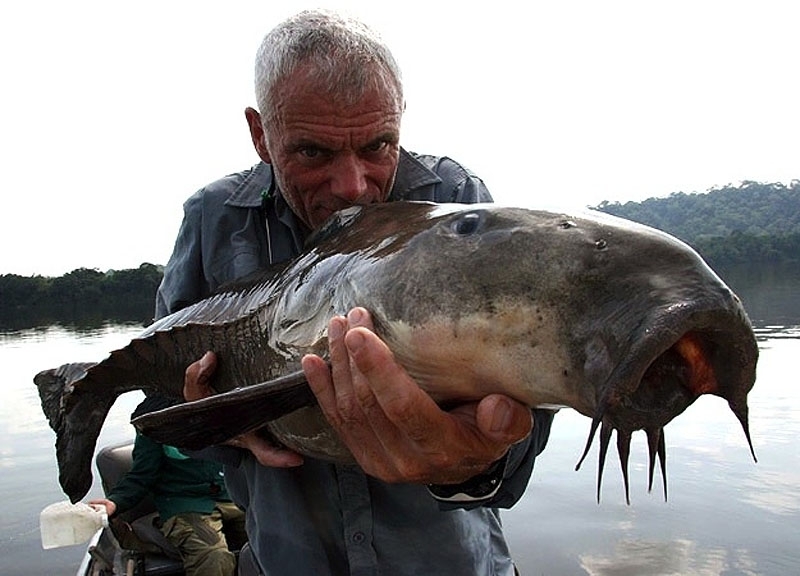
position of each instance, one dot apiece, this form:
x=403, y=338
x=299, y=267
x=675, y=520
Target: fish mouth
x=714, y=353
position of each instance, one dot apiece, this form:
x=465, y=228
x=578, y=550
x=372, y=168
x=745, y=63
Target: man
x=424, y=497
x=196, y=514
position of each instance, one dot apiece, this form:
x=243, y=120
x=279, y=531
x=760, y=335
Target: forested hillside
x=83, y=296
x=753, y=222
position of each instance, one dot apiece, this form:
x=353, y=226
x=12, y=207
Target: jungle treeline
x=83, y=297
x=751, y=223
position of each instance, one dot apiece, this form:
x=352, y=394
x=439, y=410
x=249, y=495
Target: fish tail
x=76, y=416
x=55, y=388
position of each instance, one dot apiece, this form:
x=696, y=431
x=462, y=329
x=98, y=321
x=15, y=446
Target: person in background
x=194, y=509
x=424, y=496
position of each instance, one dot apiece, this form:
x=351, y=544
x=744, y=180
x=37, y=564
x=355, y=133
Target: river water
x=726, y=515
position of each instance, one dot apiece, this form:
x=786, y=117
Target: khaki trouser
x=203, y=539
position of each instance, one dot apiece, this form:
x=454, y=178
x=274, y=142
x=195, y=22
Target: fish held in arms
x=623, y=323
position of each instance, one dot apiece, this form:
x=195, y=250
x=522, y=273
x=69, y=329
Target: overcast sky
x=113, y=113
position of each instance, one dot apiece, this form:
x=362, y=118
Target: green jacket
x=178, y=483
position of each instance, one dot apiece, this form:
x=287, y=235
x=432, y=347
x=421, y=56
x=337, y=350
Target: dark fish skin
x=620, y=322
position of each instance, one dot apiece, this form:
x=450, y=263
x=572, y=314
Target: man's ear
x=257, y=135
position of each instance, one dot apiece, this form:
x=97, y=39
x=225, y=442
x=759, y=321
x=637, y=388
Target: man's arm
x=138, y=482
x=183, y=282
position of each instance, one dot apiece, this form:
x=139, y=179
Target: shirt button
x=358, y=537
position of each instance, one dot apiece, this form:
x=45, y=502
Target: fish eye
x=466, y=224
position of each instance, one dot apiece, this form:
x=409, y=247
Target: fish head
x=622, y=322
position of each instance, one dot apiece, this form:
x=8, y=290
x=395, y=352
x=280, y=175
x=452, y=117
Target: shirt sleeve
x=521, y=459
x=472, y=190
x=459, y=184
x=504, y=487
x=183, y=282
x=143, y=475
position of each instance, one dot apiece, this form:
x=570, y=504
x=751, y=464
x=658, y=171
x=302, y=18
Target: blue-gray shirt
x=324, y=519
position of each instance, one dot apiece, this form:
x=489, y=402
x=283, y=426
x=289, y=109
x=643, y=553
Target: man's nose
x=349, y=178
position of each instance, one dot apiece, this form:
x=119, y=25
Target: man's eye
x=377, y=146
x=310, y=152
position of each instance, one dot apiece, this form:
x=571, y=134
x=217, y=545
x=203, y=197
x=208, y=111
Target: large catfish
x=623, y=323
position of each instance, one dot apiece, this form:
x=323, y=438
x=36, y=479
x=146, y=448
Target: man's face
x=328, y=155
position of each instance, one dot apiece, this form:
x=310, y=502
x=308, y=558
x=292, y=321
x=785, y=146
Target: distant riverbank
x=81, y=298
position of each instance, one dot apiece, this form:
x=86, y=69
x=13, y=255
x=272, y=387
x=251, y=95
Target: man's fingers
x=384, y=386
x=360, y=317
x=266, y=453
x=319, y=378
x=332, y=386
x=196, y=383
x=503, y=419
x=340, y=365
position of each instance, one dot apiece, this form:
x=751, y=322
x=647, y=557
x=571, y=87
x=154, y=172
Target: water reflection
x=85, y=332
x=775, y=492
x=28, y=473
x=645, y=558
x=772, y=332
x=770, y=292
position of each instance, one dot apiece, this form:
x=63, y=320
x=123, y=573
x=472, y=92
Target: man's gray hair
x=343, y=54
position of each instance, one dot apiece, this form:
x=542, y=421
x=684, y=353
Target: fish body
x=623, y=323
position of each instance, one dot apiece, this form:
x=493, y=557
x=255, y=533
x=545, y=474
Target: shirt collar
x=254, y=187
x=411, y=174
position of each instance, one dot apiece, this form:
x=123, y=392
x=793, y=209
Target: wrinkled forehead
x=342, y=84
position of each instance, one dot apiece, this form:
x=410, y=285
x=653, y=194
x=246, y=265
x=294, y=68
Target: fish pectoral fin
x=218, y=418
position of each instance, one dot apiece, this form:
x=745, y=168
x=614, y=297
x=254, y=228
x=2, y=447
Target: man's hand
x=109, y=505
x=197, y=380
x=197, y=385
x=396, y=432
